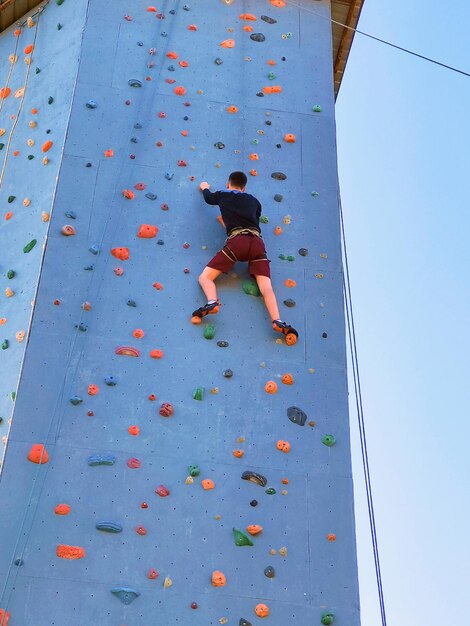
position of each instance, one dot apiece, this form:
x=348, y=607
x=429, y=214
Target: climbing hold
x=162, y=491
x=179, y=91
x=92, y=390
x=268, y=20
x=223, y=344
x=232, y=109
x=278, y=197
x=253, y=477
x=47, y=146
x=277, y=230
x=331, y=537
x=303, y=251
x=289, y=138
x=270, y=491
x=296, y=415
x=283, y=446
x=209, y=331
x=269, y=572
x=328, y=440
x=272, y=89
x=261, y=610
x=68, y=230
x=324, y=335
x=28, y=49
x=241, y=539
x=290, y=282
x=278, y=176
x=138, y=333
x=207, y=484
x=251, y=288
x=70, y=552
x=141, y=530
x=228, y=373
x=76, y=400
x=156, y=354
x=38, y=454
x=29, y=246
x=133, y=304
x=61, y=509
x=316, y=108
x=287, y=379
x=109, y=527
x=257, y=37
x=238, y=454
x=125, y=594
x=244, y=622
x=327, y=619
x=120, y=253
x=218, y=579
x=128, y=193
x=218, y=61
x=166, y=409
x=193, y=470
x=219, y=145
x=151, y=196
x=91, y=104
x=289, y=302
x=127, y=351
x=101, y=459
x=254, y=529
x=167, y=582
x=133, y=430
x=270, y=387
x=152, y=574
x=134, y=463
x=228, y=43
x=134, y=82
x=198, y=393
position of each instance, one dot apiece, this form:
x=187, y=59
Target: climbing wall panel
x=141, y=441
x=34, y=110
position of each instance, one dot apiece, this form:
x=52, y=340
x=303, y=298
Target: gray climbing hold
x=296, y=415
x=253, y=477
x=164, y=34
x=169, y=176
x=228, y=373
x=140, y=43
x=218, y=61
x=171, y=68
x=81, y=327
x=268, y=20
x=101, y=459
x=289, y=302
x=185, y=7
x=91, y=104
x=134, y=82
x=278, y=197
x=110, y=381
x=257, y=37
x=76, y=400
x=151, y=196
x=260, y=94
x=109, y=527
x=303, y=251
x=244, y=622
x=125, y=594
x=88, y=268
x=94, y=249
x=219, y=145
x=278, y=176
x=137, y=125
x=132, y=303
x=269, y=572
x=222, y=344
x=71, y=215
x=134, y=140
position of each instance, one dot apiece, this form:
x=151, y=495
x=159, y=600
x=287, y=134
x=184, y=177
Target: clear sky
x=404, y=143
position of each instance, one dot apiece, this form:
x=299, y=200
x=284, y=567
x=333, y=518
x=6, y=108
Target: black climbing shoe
x=207, y=309
x=288, y=331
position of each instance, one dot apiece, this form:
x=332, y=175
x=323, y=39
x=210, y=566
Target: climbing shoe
x=207, y=309
x=289, y=332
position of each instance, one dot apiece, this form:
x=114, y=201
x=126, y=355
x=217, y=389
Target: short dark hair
x=238, y=179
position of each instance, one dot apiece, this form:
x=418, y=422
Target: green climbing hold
x=59, y=2
x=30, y=157
x=317, y=109
x=50, y=100
x=271, y=76
x=2, y=145
x=328, y=440
x=38, y=71
x=30, y=246
x=251, y=288
x=11, y=198
x=209, y=331
x=270, y=491
x=241, y=539
x=282, y=257
x=264, y=219
x=5, y=344
x=198, y=393
x=290, y=257
x=327, y=619
x=59, y=26
x=11, y=274
x=315, y=194
x=13, y=396
x=193, y=470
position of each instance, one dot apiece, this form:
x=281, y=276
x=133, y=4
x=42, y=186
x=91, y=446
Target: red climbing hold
x=147, y=231
x=140, y=186
x=141, y=530
x=70, y=552
x=127, y=351
x=179, y=91
x=4, y=615
x=128, y=193
x=172, y=55
x=120, y=253
x=152, y=574
x=158, y=286
x=28, y=49
x=162, y=491
x=38, y=454
x=156, y=354
x=192, y=27
x=166, y=410
x=5, y=92
x=61, y=509
x=133, y=463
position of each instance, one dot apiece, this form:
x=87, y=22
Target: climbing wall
x=157, y=471
x=34, y=110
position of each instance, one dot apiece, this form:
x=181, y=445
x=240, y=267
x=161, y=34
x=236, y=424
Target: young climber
x=240, y=214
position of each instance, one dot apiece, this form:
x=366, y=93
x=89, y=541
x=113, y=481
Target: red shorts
x=242, y=248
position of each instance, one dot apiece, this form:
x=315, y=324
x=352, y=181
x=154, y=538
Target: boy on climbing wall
x=240, y=214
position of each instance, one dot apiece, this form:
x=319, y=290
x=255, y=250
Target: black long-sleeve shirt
x=238, y=209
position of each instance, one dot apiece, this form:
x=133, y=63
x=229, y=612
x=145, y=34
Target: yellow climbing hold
x=30, y=22
x=30, y=142
x=189, y=480
x=19, y=93
x=32, y=124
x=9, y=292
x=319, y=275
x=167, y=582
x=323, y=255
x=45, y=161
x=26, y=202
x=283, y=551
x=45, y=216
x=13, y=58
x=20, y=335
x=287, y=219
x=2, y=131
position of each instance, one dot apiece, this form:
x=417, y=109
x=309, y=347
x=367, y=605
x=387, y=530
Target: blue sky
x=403, y=140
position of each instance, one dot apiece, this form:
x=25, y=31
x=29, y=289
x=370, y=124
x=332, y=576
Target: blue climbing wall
x=34, y=109
x=121, y=489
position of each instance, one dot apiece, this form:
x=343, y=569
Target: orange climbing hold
x=248, y=29
x=192, y=27
x=17, y=32
x=68, y=231
x=184, y=133
x=278, y=3
x=277, y=230
x=93, y=390
x=156, y=354
x=46, y=146
x=128, y=193
x=272, y=89
x=207, y=484
x=270, y=387
x=138, y=333
x=8, y=215
x=158, y=286
x=183, y=64
x=287, y=379
x=285, y=481
x=289, y=138
x=3, y=320
x=29, y=49
x=5, y=92
x=271, y=62
x=147, y=231
x=238, y=454
x=133, y=430
x=228, y=43
x=4, y=615
x=196, y=320
x=62, y=509
x=218, y=579
x=151, y=9
x=283, y=446
x=248, y=17
x=254, y=529
x=121, y=253
x=179, y=91
x=70, y=552
x=232, y=109
x=262, y=610
x=171, y=55
x=290, y=282
x=108, y=153
x=331, y=537
x=38, y=454
x=254, y=172
x=254, y=157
